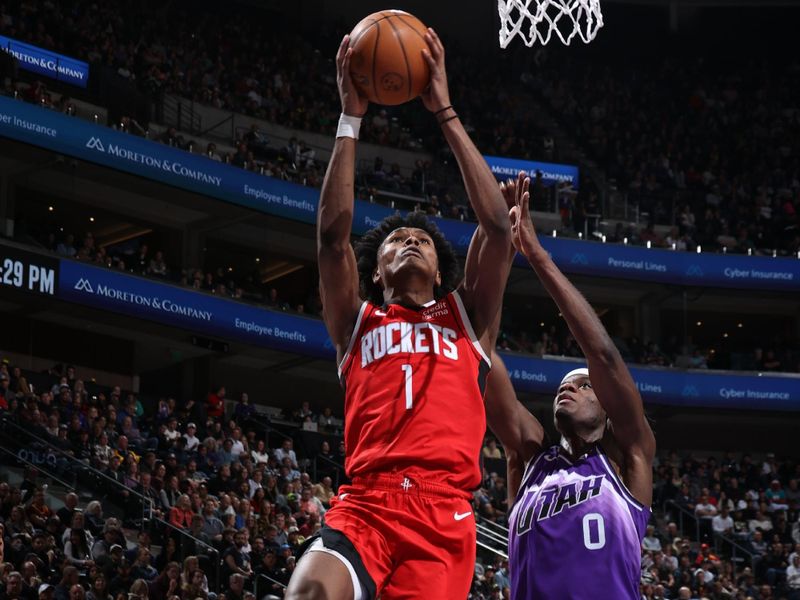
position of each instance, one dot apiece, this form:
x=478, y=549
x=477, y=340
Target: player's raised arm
x=519, y=432
x=484, y=278
x=614, y=387
x=338, y=273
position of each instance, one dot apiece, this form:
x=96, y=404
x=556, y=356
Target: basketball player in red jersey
x=412, y=359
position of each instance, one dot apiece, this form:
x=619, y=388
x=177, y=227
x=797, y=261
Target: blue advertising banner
x=670, y=386
x=206, y=314
x=68, y=135
x=50, y=64
x=201, y=313
x=552, y=173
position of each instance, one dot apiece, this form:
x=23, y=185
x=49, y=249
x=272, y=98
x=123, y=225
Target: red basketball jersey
x=414, y=383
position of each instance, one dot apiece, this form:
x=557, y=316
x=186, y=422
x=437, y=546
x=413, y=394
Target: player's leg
x=437, y=557
x=414, y=579
x=320, y=576
x=350, y=559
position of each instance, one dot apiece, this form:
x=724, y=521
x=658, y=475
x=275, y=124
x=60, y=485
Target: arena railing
x=491, y=536
x=78, y=466
x=337, y=469
x=274, y=582
x=198, y=542
x=685, y=517
x=147, y=503
x=15, y=456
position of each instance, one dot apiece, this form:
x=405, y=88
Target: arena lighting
x=230, y=269
x=724, y=335
x=699, y=249
x=625, y=241
x=541, y=324
x=580, y=235
x=50, y=208
x=739, y=325
x=649, y=244
x=699, y=323
x=258, y=259
x=91, y=219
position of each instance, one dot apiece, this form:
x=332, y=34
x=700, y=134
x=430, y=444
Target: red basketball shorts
x=416, y=539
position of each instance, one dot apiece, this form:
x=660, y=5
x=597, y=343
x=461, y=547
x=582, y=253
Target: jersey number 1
x=409, y=386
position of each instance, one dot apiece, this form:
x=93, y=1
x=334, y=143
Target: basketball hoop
x=537, y=20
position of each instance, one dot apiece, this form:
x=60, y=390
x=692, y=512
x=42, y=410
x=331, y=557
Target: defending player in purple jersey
x=581, y=507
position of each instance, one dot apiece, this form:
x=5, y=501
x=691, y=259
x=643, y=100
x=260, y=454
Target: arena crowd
x=197, y=501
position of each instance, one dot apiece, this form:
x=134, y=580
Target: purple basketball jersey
x=575, y=531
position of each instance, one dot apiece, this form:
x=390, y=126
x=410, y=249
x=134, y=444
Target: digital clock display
x=28, y=271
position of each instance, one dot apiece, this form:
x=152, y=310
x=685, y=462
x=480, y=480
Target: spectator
x=650, y=542
x=142, y=569
x=181, y=514
x=490, y=450
x=215, y=407
x=76, y=550
x=722, y=524
x=192, y=441
x=235, y=560
x=157, y=266
x=286, y=451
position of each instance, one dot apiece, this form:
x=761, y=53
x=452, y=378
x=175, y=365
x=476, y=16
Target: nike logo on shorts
x=461, y=516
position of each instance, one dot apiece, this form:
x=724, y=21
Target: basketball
x=387, y=64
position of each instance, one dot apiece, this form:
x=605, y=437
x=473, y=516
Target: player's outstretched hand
x=523, y=235
x=436, y=96
x=513, y=190
x=353, y=103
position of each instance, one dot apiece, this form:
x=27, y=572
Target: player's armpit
x=517, y=429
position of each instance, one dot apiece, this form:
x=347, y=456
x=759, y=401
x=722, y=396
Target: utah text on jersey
x=552, y=500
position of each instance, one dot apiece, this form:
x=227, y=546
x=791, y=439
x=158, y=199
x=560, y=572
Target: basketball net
x=536, y=20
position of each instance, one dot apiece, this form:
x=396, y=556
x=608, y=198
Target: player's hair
x=367, y=255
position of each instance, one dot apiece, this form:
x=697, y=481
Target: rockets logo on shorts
x=414, y=384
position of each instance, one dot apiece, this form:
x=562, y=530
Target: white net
x=537, y=20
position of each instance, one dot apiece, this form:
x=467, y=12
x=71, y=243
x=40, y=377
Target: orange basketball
x=387, y=64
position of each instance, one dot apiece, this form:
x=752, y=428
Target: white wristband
x=348, y=126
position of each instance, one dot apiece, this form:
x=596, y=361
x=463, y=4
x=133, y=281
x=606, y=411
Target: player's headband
x=581, y=371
